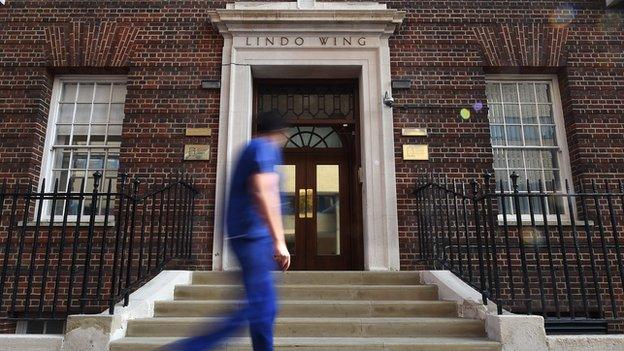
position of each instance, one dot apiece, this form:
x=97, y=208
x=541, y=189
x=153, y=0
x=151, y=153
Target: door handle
x=310, y=203
x=302, y=203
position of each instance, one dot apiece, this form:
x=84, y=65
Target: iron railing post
x=482, y=282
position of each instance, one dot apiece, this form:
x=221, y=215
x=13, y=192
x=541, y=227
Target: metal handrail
x=537, y=265
x=55, y=264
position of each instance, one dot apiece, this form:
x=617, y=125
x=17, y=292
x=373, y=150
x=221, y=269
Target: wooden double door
x=316, y=211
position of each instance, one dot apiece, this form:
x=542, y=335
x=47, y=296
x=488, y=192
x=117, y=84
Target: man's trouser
x=256, y=260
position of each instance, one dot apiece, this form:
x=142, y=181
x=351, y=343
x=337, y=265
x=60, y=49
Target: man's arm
x=265, y=189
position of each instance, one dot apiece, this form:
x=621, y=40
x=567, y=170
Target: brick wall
x=445, y=47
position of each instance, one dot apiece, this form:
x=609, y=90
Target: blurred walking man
x=256, y=236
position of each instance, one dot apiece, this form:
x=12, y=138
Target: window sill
x=540, y=223
x=69, y=224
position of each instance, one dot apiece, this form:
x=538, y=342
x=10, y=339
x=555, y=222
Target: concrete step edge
x=320, y=320
x=324, y=340
x=315, y=302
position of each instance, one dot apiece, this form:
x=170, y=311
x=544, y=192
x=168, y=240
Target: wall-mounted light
x=401, y=83
x=211, y=84
x=1, y=2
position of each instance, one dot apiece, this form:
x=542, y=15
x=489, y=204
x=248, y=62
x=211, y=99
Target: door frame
x=371, y=66
x=352, y=155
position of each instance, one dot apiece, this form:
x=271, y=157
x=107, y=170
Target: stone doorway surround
x=309, y=39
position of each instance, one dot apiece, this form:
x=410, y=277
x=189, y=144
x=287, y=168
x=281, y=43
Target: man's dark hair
x=270, y=121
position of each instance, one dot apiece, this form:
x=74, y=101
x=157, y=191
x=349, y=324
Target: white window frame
x=565, y=170
x=48, y=150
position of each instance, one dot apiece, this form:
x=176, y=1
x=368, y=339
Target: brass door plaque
x=196, y=152
x=413, y=152
x=414, y=132
x=198, y=132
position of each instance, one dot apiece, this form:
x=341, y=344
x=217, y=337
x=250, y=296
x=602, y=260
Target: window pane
x=497, y=134
x=502, y=175
x=97, y=139
x=112, y=177
x=75, y=180
x=512, y=114
x=545, y=114
x=514, y=136
x=66, y=113
x=549, y=159
x=495, y=114
x=116, y=113
x=85, y=92
x=492, y=91
x=531, y=136
x=80, y=139
x=112, y=162
x=100, y=113
x=119, y=93
x=83, y=113
x=548, y=135
x=521, y=179
x=499, y=159
x=534, y=177
x=113, y=140
x=527, y=94
x=510, y=92
x=102, y=92
x=98, y=130
x=62, y=178
x=529, y=114
x=552, y=180
x=113, y=130
x=96, y=161
x=80, y=160
x=532, y=159
x=515, y=160
x=543, y=92
x=62, y=159
x=62, y=135
x=68, y=93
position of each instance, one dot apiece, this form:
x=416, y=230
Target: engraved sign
x=307, y=41
x=416, y=152
x=414, y=132
x=196, y=152
x=198, y=132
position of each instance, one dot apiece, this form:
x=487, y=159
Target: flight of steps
x=328, y=311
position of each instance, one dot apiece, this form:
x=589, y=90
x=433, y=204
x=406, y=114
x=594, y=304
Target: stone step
x=316, y=327
x=328, y=344
x=313, y=308
x=314, y=292
x=316, y=277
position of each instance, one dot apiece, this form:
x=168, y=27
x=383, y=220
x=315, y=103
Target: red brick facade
x=445, y=47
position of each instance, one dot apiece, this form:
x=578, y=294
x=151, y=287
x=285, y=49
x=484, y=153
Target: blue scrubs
x=252, y=244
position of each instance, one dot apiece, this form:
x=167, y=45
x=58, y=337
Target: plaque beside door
x=413, y=152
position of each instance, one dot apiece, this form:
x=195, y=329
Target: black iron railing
x=530, y=247
x=82, y=250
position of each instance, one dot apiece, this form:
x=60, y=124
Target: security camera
x=388, y=100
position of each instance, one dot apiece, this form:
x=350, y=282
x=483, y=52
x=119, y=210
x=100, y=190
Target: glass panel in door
x=288, y=199
x=328, y=210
